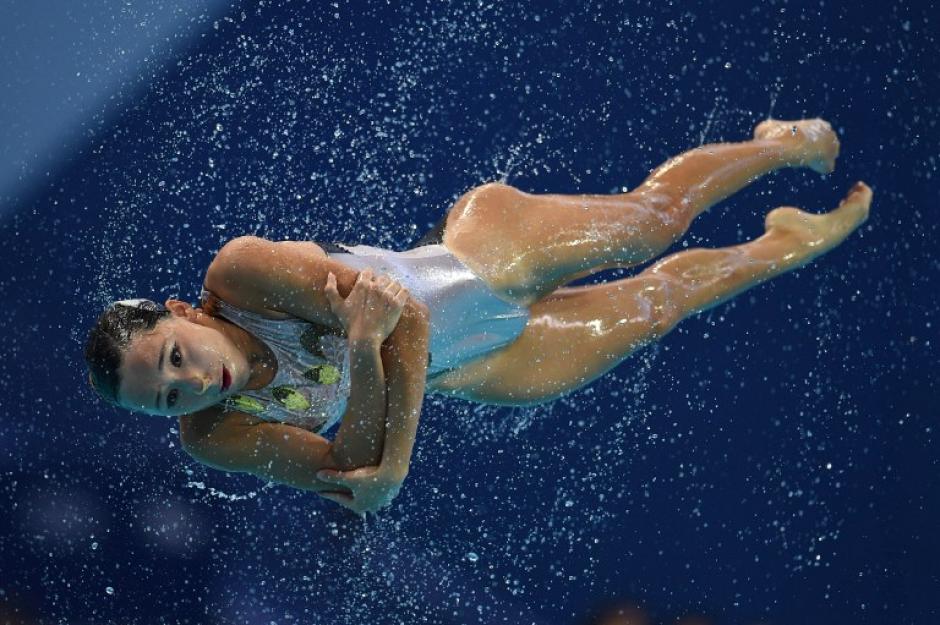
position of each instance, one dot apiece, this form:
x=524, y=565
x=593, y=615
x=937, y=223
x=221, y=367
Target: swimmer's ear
x=180, y=309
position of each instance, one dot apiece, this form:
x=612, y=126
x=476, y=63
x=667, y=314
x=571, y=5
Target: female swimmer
x=292, y=337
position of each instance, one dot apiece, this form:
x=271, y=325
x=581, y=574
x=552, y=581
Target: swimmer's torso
x=311, y=385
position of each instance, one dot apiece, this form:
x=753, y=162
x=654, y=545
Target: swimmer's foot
x=820, y=233
x=814, y=142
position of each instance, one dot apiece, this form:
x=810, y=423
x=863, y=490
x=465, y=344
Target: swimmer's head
x=111, y=335
x=162, y=360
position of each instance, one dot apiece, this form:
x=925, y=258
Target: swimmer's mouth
x=226, y=379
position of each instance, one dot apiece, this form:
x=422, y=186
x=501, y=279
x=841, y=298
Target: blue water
x=774, y=459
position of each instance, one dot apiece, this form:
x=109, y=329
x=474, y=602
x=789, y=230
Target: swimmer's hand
x=372, y=488
x=373, y=307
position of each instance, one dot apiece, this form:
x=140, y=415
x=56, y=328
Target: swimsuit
x=467, y=320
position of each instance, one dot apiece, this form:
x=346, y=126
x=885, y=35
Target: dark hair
x=107, y=340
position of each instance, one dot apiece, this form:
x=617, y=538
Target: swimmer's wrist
x=394, y=471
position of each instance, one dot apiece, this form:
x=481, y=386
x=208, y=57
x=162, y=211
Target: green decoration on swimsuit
x=290, y=398
x=245, y=403
x=322, y=374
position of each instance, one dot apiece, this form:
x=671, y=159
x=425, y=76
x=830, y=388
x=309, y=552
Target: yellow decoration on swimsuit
x=245, y=403
x=290, y=398
x=322, y=374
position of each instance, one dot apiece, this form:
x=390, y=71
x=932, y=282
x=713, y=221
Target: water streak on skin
x=701, y=275
x=643, y=310
x=603, y=233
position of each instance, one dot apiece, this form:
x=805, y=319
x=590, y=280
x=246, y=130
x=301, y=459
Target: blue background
x=773, y=459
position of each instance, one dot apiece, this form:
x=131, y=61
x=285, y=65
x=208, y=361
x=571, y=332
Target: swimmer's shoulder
x=275, y=279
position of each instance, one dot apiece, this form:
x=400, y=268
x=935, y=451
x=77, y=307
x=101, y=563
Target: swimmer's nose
x=198, y=383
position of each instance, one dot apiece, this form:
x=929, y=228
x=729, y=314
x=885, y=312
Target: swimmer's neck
x=262, y=362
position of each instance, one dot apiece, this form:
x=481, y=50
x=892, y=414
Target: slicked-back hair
x=107, y=341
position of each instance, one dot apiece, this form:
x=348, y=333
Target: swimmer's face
x=177, y=368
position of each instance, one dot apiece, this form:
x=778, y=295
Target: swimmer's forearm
x=360, y=438
x=405, y=357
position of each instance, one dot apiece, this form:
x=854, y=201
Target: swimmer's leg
x=577, y=334
x=527, y=245
x=792, y=238
x=700, y=178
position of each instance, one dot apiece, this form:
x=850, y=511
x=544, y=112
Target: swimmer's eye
x=176, y=359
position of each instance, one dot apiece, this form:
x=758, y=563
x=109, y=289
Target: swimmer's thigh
x=573, y=336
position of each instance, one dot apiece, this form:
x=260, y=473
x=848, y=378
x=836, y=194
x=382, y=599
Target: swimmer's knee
x=493, y=193
x=667, y=304
x=240, y=246
x=492, y=187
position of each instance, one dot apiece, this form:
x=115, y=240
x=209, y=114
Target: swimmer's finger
x=339, y=478
x=332, y=295
x=364, y=283
x=392, y=289
x=402, y=298
x=382, y=280
x=336, y=496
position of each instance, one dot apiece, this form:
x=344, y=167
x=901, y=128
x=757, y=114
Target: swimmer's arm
x=233, y=441
x=359, y=439
x=405, y=356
